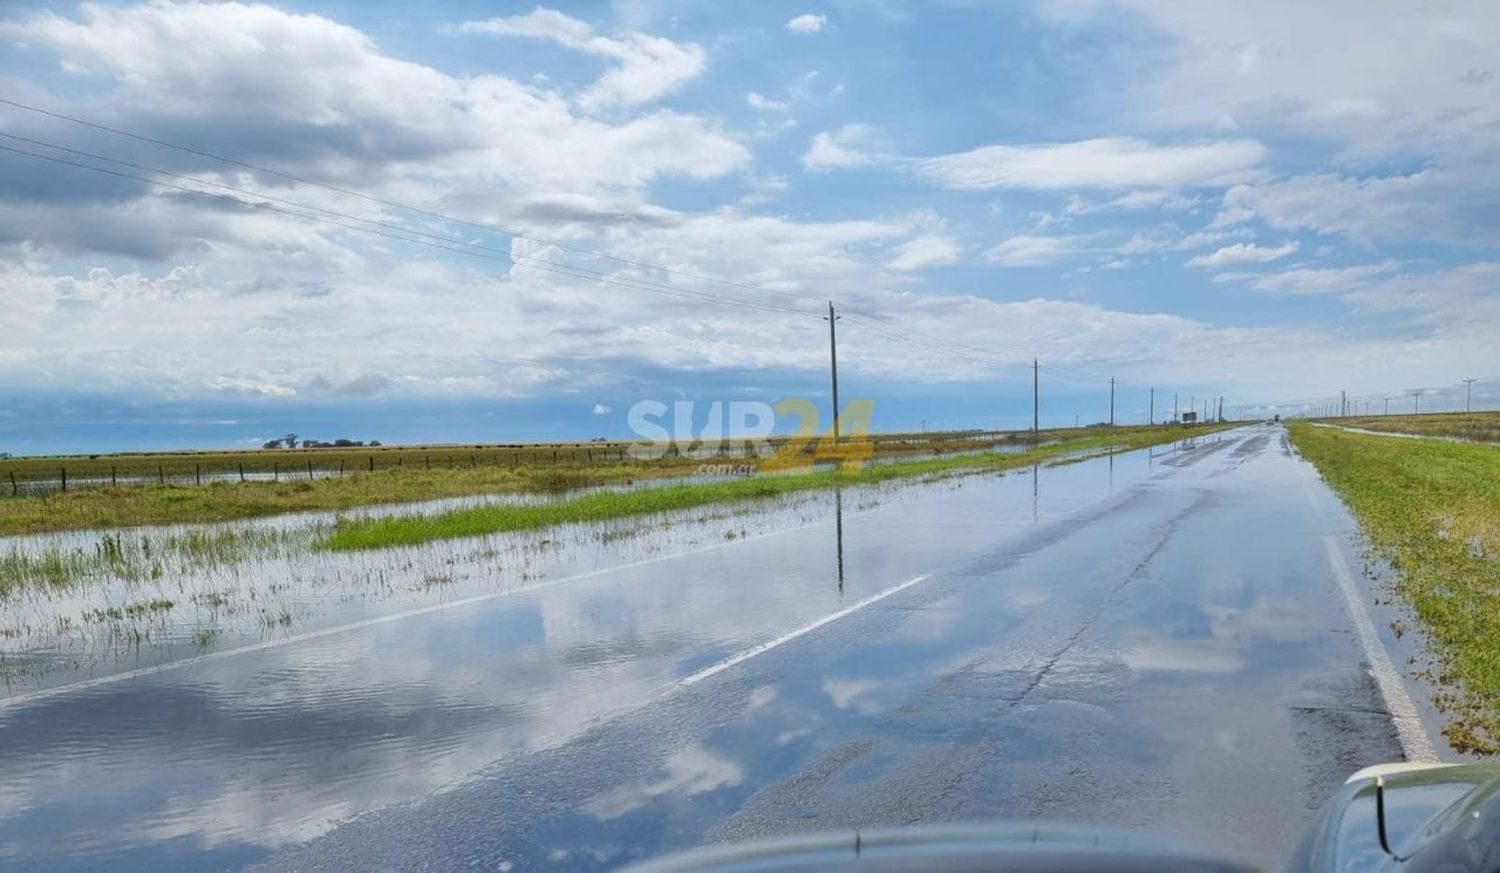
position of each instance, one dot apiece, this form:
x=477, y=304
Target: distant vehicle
x=1276, y=418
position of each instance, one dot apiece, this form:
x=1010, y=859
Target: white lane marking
x=141, y=672
x=785, y=638
x=1409, y=730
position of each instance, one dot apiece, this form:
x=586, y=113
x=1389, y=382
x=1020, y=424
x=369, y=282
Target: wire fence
x=32, y=477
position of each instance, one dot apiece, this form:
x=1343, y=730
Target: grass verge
x=412, y=529
x=1432, y=508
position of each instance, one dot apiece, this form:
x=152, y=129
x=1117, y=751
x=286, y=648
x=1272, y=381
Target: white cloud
x=1111, y=162
x=849, y=146
x=760, y=101
x=601, y=409
x=1030, y=250
x=807, y=23
x=923, y=252
x=1170, y=239
x=1311, y=280
x=1383, y=77
x=1130, y=201
x=1439, y=204
x=645, y=68
x=1244, y=253
x=317, y=96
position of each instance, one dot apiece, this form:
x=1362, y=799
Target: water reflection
x=838, y=527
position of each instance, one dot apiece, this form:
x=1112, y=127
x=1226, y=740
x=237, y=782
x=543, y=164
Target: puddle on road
x=212, y=762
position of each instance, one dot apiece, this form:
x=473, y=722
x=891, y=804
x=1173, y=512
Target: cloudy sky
x=651, y=199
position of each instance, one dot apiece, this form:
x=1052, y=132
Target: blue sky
x=1266, y=201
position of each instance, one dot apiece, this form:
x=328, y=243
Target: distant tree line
x=293, y=441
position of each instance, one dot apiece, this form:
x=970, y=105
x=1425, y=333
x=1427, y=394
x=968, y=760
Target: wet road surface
x=1154, y=639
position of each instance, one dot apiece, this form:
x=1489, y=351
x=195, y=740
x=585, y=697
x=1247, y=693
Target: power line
x=417, y=210
x=895, y=336
x=259, y=168
x=463, y=249
x=888, y=328
x=893, y=330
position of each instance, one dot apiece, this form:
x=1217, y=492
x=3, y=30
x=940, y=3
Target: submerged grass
x=1432, y=508
x=413, y=529
x=134, y=558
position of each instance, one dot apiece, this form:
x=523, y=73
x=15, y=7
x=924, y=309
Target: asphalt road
x=1160, y=640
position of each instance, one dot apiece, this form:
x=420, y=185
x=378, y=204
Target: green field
x=1432, y=508
x=1478, y=426
x=400, y=474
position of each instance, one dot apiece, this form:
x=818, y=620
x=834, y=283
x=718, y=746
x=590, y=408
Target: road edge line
x=1410, y=733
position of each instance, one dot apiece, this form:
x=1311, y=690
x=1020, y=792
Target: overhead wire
x=401, y=236
x=259, y=168
x=887, y=327
x=393, y=204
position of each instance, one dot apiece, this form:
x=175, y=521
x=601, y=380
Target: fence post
x=472, y=463
x=341, y=468
x=198, y=474
x=372, y=463
x=15, y=490
x=276, y=472
x=309, y=469
x=242, y=471
x=113, y=480
x=65, y=479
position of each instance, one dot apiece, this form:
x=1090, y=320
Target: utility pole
x=1174, y=406
x=1387, y=405
x=1151, y=413
x=1036, y=401
x=1416, y=398
x=1343, y=404
x=833, y=366
x=1468, y=395
x=1111, y=401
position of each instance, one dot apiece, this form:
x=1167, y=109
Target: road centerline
x=785, y=638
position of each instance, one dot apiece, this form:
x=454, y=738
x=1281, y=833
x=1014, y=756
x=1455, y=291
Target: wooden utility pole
x=1468, y=395
x=1036, y=401
x=1111, y=401
x=833, y=366
x=1151, y=408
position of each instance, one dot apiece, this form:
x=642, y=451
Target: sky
x=465, y=221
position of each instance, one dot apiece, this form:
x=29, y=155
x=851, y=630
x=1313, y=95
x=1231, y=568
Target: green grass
x=1477, y=426
x=412, y=529
x=1432, y=508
